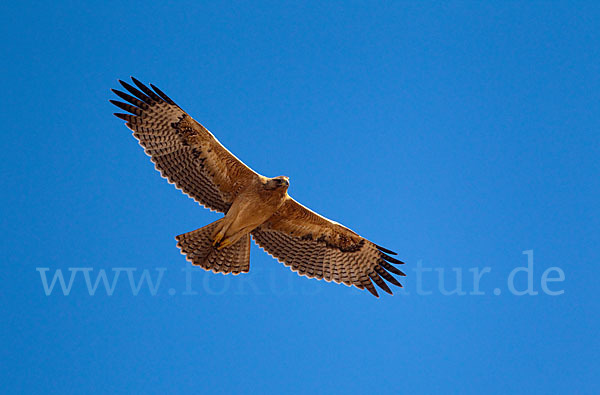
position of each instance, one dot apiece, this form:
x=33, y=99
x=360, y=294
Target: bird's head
x=278, y=182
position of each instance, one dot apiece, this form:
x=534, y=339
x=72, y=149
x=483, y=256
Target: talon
x=218, y=238
x=225, y=243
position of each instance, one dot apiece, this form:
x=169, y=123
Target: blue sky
x=459, y=134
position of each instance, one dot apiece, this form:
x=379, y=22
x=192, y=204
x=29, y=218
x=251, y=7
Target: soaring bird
x=189, y=156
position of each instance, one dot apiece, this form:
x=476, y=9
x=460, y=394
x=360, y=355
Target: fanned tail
x=198, y=249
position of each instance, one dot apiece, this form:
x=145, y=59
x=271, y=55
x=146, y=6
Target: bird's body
x=189, y=156
x=254, y=205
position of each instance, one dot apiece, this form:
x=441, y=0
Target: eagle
x=191, y=158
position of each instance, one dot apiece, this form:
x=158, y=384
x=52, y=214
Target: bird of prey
x=189, y=156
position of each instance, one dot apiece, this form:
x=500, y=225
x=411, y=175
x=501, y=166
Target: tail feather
x=198, y=249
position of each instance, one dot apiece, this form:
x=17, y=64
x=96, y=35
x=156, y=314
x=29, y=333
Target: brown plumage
x=190, y=157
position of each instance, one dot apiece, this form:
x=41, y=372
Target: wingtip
x=162, y=95
x=126, y=117
x=371, y=288
x=392, y=260
x=135, y=80
x=387, y=251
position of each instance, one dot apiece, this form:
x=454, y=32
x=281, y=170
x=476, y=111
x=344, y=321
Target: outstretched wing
x=183, y=150
x=314, y=246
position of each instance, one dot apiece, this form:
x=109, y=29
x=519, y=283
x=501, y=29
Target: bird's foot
x=225, y=243
x=218, y=238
